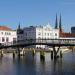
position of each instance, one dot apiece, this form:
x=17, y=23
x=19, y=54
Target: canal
x=29, y=65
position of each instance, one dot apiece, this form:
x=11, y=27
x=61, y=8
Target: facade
x=38, y=32
x=7, y=35
x=20, y=34
x=65, y=35
x=45, y=32
x=73, y=30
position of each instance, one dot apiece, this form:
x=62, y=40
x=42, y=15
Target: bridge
x=49, y=42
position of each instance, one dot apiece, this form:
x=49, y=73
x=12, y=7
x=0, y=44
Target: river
x=29, y=65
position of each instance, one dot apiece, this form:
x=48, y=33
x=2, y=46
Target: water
x=29, y=65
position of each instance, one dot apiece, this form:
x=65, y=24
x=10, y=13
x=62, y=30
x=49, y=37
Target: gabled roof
x=66, y=35
x=5, y=28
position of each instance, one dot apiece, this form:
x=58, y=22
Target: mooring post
x=55, y=53
x=1, y=53
x=23, y=51
x=42, y=55
x=13, y=54
x=51, y=54
x=33, y=52
x=72, y=49
x=18, y=51
x=61, y=54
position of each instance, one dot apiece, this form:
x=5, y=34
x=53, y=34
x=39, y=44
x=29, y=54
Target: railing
x=55, y=41
x=50, y=41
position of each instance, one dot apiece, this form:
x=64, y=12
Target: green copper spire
x=60, y=25
x=56, y=23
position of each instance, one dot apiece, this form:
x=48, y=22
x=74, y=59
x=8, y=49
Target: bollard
x=18, y=50
x=33, y=52
x=13, y=54
x=1, y=53
x=51, y=54
x=23, y=52
x=60, y=54
x=42, y=55
x=18, y=53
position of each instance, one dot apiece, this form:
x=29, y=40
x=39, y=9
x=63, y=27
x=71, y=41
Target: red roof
x=5, y=28
x=66, y=35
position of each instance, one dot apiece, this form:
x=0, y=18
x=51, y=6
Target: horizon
x=37, y=12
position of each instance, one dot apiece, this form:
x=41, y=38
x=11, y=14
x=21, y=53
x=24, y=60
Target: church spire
x=60, y=25
x=19, y=26
x=56, y=23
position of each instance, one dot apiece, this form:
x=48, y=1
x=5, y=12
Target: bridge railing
x=53, y=41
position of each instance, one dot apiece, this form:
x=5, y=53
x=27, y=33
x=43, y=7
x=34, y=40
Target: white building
x=38, y=32
x=7, y=35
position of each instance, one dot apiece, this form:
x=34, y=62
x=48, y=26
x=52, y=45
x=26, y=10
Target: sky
x=37, y=12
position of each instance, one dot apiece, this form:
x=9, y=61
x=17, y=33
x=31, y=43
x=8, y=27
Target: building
x=20, y=34
x=37, y=32
x=66, y=35
x=44, y=32
x=73, y=30
x=7, y=35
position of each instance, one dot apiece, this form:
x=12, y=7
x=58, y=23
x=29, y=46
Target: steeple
x=60, y=25
x=56, y=23
x=19, y=26
x=19, y=30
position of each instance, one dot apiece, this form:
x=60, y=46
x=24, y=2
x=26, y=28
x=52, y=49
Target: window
x=39, y=33
x=39, y=37
x=9, y=33
x=3, y=39
x=26, y=34
x=2, y=33
x=18, y=36
x=5, y=33
x=48, y=34
x=45, y=33
x=7, y=39
x=14, y=40
x=55, y=34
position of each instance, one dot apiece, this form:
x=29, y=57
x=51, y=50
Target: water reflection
x=32, y=65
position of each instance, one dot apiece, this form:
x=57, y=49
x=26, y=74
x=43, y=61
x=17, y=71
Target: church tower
x=56, y=23
x=19, y=30
x=60, y=25
x=19, y=27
